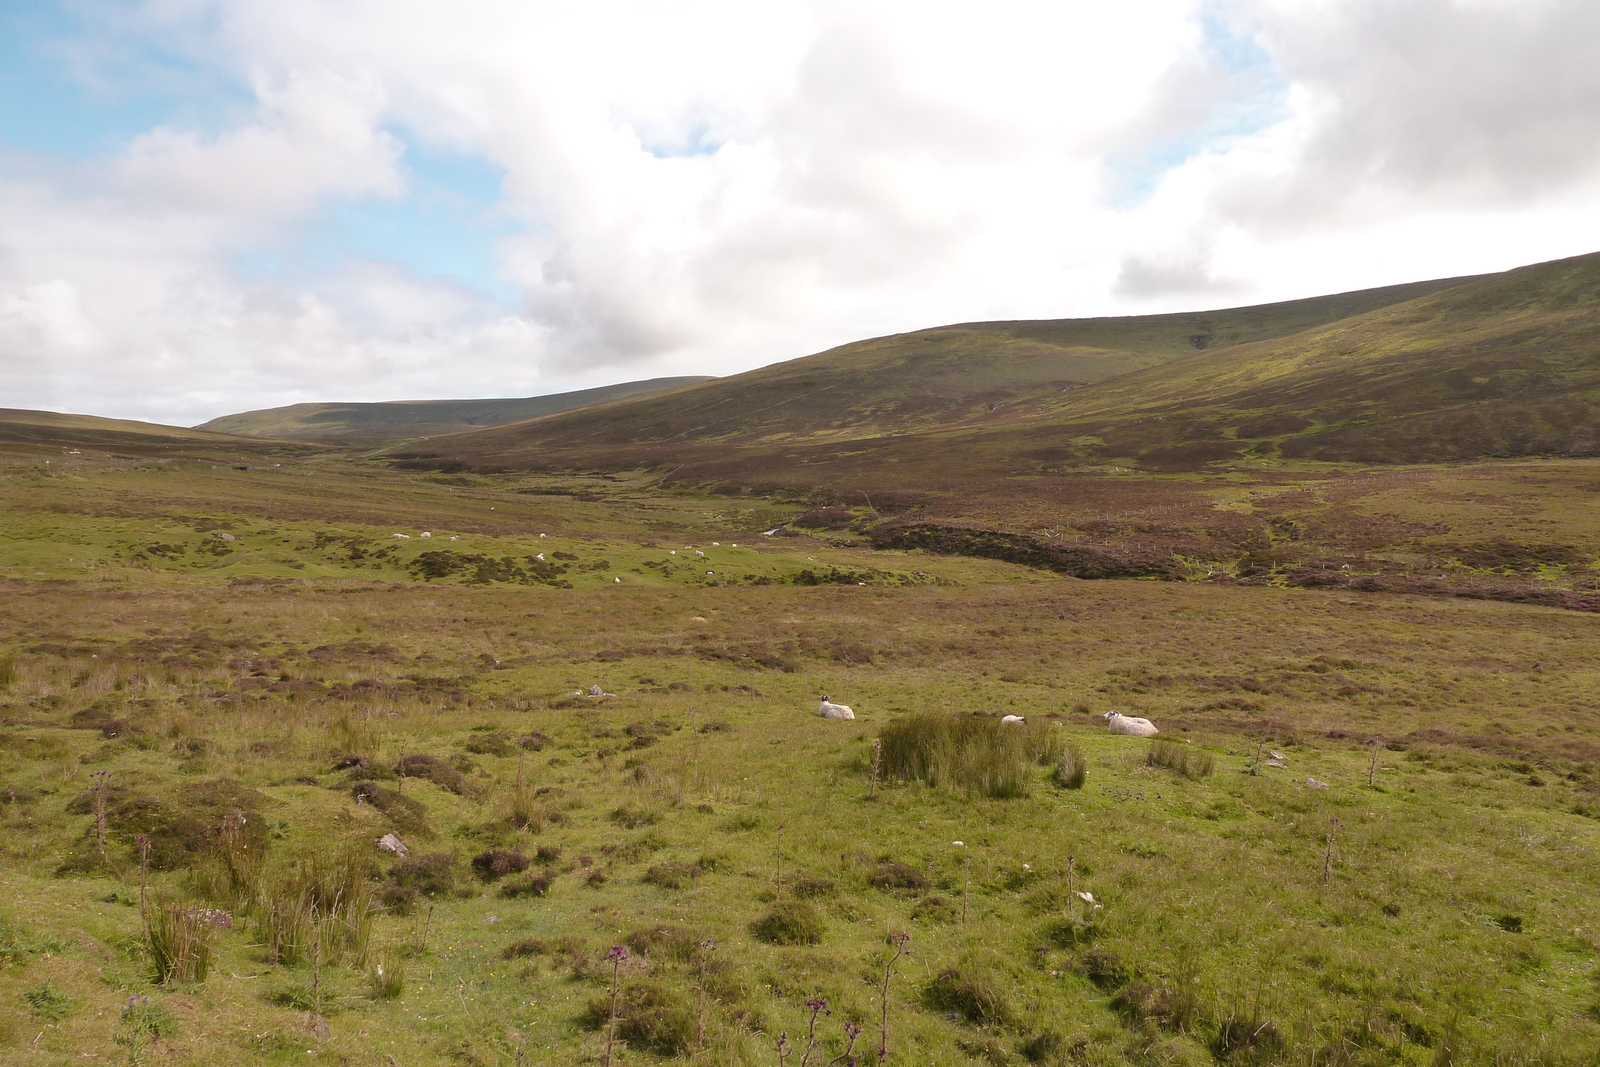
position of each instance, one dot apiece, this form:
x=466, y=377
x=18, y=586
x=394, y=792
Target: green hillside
x=1497, y=365
x=920, y=381
x=360, y=423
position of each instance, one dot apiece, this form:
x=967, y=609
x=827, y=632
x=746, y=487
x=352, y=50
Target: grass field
x=1371, y=839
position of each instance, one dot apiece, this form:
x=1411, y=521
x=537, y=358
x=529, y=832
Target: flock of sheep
x=1116, y=722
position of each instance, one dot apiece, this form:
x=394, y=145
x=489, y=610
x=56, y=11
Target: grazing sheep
x=834, y=711
x=403, y=537
x=1119, y=723
x=1017, y=719
x=425, y=534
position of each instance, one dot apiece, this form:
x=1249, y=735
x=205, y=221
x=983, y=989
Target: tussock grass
x=179, y=943
x=1181, y=759
x=970, y=753
x=1071, y=769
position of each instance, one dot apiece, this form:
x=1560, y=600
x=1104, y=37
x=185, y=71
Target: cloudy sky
x=214, y=205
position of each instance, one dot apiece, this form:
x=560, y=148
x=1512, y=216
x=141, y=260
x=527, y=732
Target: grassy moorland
x=1371, y=839
x=1496, y=366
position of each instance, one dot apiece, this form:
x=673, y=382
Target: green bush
x=790, y=922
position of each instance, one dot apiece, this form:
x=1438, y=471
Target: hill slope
x=27, y=431
x=1168, y=391
x=906, y=383
x=371, y=423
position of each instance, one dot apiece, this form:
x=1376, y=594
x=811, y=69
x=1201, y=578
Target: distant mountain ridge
x=358, y=423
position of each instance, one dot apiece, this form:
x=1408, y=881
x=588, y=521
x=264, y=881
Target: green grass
x=704, y=797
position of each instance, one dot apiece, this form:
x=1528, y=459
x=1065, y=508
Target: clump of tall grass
x=971, y=753
x=230, y=871
x=387, y=978
x=179, y=943
x=329, y=900
x=1071, y=768
x=1181, y=759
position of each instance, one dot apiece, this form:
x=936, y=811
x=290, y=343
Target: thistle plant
x=899, y=941
x=616, y=956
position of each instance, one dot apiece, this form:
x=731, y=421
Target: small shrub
x=548, y=854
x=631, y=818
x=491, y=743
x=672, y=875
x=969, y=994
x=1180, y=759
x=533, y=742
x=531, y=885
x=430, y=873
x=434, y=770
x=47, y=1002
x=664, y=941
x=650, y=1016
x=1104, y=968
x=179, y=943
x=1071, y=769
x=387, y=978
x=496, y=863
x=893, y=874
x=790, y=922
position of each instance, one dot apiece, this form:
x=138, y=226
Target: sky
x=209, y=206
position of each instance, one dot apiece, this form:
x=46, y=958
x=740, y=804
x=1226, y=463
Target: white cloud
x=705, y=187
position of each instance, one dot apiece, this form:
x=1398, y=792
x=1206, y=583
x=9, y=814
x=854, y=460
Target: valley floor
x=1372, y=839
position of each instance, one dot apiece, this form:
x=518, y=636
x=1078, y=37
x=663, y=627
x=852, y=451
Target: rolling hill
x=27, y=431
x=375, y=423
x=1494, y=365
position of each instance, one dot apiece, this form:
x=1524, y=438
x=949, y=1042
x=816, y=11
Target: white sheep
x=1017, y=719
x=1131, y=725
x=834, y=711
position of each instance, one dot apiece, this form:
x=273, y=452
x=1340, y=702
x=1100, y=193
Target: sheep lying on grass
x=1015, y=720
x=1119, y=723
x=834, y=711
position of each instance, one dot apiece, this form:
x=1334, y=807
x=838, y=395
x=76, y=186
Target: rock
x=391, y=843
x=1275, y=763
x=1312, y=783
x=1277, y=755
x=316, y=1026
